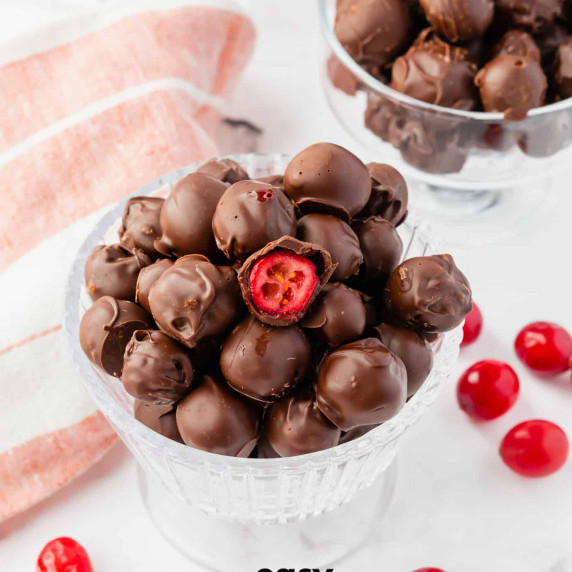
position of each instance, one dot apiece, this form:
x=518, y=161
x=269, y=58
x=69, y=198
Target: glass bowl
x=457, y=162
x=311, y=509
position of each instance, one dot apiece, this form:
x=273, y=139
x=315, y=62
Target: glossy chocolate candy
x=140, y=225
x=147, y=277
x=225, y=170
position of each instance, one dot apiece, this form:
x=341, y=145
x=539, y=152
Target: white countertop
x=456, y=505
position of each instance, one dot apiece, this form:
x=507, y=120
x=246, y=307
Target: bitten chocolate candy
x=327, y=178
x=361, y=383
x=195, y=299
x=215, y=418
x=159, y=418
x=263, y=362
x=225, y=170
x=513, y=85
x=186, y=217
x=459, y=20
x=389, y=195
x=337, y=237
x=429, y=293
x=436, y=72
x=373, y=32
x=140, y=224
x=156, y=368
x=563, y=69
x=381, y=246
x=105, y=331
x=415, y=353
x=337, y=316
x=517, y=43
x=112, y=270
x=535, y=15
x=147, y=277
x=249, y=215
x=296, y=426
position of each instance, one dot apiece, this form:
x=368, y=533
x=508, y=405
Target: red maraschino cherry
x=63, y=555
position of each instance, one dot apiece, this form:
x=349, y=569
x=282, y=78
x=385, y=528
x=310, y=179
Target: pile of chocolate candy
x=269, y=317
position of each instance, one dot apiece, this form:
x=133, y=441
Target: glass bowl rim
x=384, y=433
x=380, y=87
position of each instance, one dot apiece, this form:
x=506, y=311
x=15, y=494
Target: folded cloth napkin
x=91, y=109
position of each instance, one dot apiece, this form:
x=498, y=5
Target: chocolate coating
x=105, y=331
x=296, y=426
x=381, y=246
x=225, y=170
x=459, y=20
x=355, y=433
x=112, y=270
x=563, y=69
x=159, y=418
x=436, y=72
x=513, y=85
x=214, y=418
x=389, y=194
x=415, y=353
x=264, y=450
x=429, y=293
x=361, y=383
x=273, y=181
x=337, y=237
x=517, y=43
x=249, y=215
x=186, y=217
x=341, y=77
x=534, y=15
x=337, y=316
x=156, y=368
x=147, y=277
x=313, y=252
x=263, y=362
x=329, y=179
x=195, y=299
x=140, y=225
x=373, y=32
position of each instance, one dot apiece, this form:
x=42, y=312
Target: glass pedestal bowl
x=247, y=514
x=473, y=174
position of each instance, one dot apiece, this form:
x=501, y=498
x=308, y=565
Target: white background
x=456, y=505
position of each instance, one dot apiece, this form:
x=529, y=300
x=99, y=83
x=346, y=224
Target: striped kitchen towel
x=92, y=108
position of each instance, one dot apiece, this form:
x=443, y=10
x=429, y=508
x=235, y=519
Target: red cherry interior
x=282, y=283
x=473, y=326
x=535, y=448
x=64, y=555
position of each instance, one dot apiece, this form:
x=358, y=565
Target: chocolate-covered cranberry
x=327, y=178
x=249, y=215
x=140, y=225
x=112, y=270
x=225, y=170
x=156, y=368
x=563, y=69
x=296, y=426
x=147, y=277
x=215, y=418
x=264, y=362
x=159, y=418
x=361, y=383
x=337, y=237
x=186, y=217
x=429, y=293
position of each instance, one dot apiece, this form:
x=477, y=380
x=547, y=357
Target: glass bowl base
x=223, y=544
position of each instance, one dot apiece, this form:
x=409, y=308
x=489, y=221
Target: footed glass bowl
x=246, y=514
x=457, y=162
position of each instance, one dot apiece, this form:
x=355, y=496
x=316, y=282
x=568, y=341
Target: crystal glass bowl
x=195, y=496
x=457, y=162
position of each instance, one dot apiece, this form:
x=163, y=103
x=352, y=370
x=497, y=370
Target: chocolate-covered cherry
x=225, y=170
x=64, y=555
x=544, y=347
x=535, y=448
x=488, y=389
x=472, y=326
x=159, y=418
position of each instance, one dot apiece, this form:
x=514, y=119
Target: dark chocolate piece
x=156, y=368
x=264, y=362
x=415, y=353
x=563, y=69
x=355, y=433
x=147, y=277
x=337, y=237
x=186, y=217
x=429, y=293
x=112, y=270
x=327, y=178
x=337, y=316
x=105, y=331
x=296, y=426
x=264, y=450
x=517, y=43
x=361, y=383
x=195, y=299
x=140, y=225
x=249, y=215
x=225, y=170
x=215, y=418
x=534, y=15
x=159, y=418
